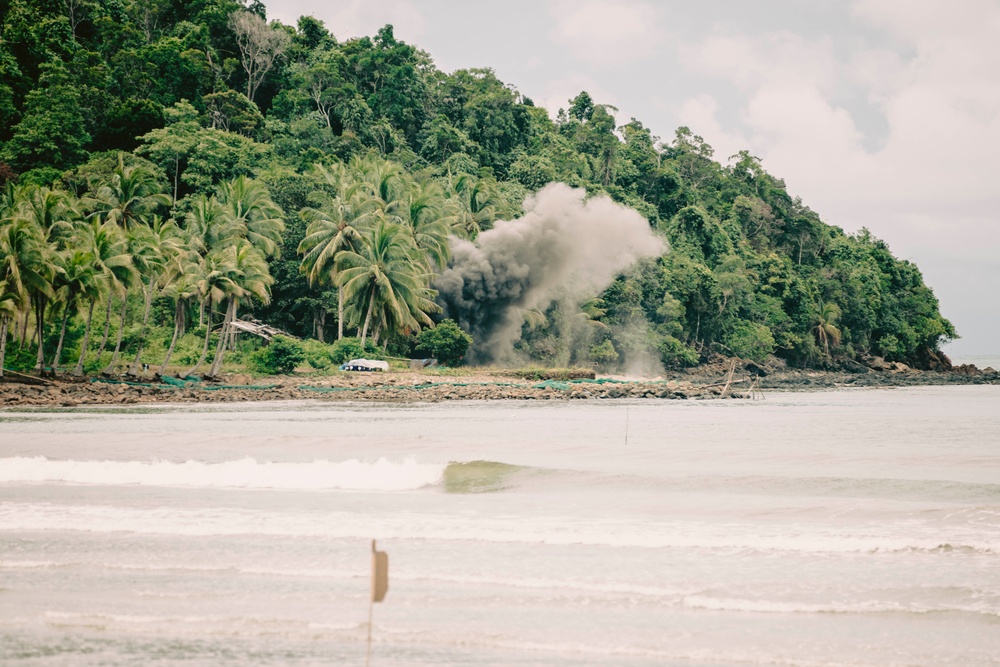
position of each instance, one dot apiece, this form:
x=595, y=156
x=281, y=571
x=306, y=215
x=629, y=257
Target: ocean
x=849, y=527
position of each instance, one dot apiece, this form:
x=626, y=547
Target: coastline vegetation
x=170, y=167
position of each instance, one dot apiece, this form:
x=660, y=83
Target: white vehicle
x=368, y=365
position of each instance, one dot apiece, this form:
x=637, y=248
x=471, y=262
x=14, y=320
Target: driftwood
x=21, y=378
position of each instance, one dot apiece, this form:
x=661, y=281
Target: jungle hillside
x=169, y=169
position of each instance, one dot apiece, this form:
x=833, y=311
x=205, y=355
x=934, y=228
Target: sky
x=882, y=114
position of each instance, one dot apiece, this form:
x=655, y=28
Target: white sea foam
x=552, y=530
x=380, y=475
x=792, y=607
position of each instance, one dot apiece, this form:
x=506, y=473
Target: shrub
x=675, y=354
x=317, y=354
x=446, y=342
x=280, y=357
x=346, y=349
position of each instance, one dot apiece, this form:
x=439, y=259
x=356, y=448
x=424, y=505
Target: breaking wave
x=354, y=475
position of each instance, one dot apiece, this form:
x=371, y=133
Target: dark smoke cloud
x=563, y=249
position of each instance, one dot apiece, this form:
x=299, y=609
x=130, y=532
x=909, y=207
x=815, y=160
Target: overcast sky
x=879, y=113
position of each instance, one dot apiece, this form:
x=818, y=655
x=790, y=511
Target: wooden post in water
x=380, y=586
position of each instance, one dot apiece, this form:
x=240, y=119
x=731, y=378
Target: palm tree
x=29, y=268
x=473, y=204
x=78, y=280
x=181, y=284
x=152, y=250
x=334, y=227
x=826, y=328
x=106, y=244
x=385, y=272
x=8, y=310
x=52, y=211
x=214, y=282
x=258, y=219
x=249, y=277
x=209, y=224
x=129, y=196
x=423, y=214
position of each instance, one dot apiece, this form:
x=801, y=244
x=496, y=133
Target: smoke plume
x=563, y=249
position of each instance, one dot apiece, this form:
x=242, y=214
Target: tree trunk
x=118, y=343
x=107, y=328
x=231, y=336
x=220, y=348
x=340, y=313
x=321, y=325
x=40, y=330
x=3, y=342
x=134, y=370
x=368, y=318
x=86, y=339
x=24, y=328
x=178, y=313
x=204, y=349
x=62, y=336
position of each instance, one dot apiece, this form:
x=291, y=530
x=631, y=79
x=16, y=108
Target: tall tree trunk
x=178, y=314
x=220, y=348
x=204, y=349
x=321, y=324
x=107, y=327
x=62, y=336
x=340, y=313
x=231, y=336
x=40, y=303
x=118, y=343
x=86, y=339
x=24, y=328
x=3, y=342
x=134, y=370
x=368, y=318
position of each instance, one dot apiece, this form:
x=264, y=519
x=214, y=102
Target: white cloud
x=930, y=188
x=354, y=18
x=750, y=62
x=604, y=33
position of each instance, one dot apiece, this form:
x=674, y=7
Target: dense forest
x=170, y=166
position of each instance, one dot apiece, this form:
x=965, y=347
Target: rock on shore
x=704, y=382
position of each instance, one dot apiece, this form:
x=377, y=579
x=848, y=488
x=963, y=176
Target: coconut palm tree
x=181, y=284
x=129, y=197
x=335, y=226
x=214, y=283
x=106, y=244
x=387, y=275
x=258, y=219
x=826, y=327
x=9, y=305
x=423, y=213
x=78, y=281
x=473, y=204
x=30, y=268
x=249, y=278
x=152, y=251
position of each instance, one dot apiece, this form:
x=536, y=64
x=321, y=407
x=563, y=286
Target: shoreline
x=715, y=381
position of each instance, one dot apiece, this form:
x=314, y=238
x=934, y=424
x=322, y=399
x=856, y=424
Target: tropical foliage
x=167, y=167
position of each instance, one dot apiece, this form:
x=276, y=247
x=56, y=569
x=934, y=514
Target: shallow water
x=836, y=528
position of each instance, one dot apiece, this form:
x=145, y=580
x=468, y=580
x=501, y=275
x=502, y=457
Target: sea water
x=853, y=527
